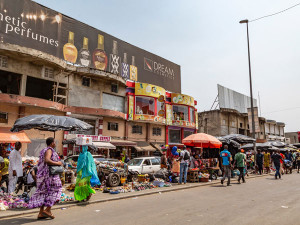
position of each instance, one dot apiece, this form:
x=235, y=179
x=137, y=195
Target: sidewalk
x=105, y=197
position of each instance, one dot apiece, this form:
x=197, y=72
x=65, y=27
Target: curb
x=137, y=194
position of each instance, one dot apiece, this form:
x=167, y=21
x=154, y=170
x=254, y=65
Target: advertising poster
x=149, y=90
x=28, y=24
x=169, y=114
x=130, y=107
x=182, y=99
x=157, y=119
x=196, y=117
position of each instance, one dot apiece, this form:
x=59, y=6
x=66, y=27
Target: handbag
x=56, y=170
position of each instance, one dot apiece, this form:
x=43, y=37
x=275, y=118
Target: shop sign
x=157, y=119
x=149, y=90
x=29, y=24
x=161, y=113
x=169, y=114
x=196, y=117
x=182, y=123
x=182, y=99
x=95, y=137
x=130, y=107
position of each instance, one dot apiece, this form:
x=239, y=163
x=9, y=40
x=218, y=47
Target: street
x=262, y=200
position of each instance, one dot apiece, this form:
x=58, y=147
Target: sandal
x=42, y=217
x=50, y=215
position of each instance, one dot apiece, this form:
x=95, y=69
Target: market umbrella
x=50, y=123
x=239, y=138
x=202, y=140
x=225, y=141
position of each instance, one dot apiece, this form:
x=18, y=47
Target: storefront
x=181, y=118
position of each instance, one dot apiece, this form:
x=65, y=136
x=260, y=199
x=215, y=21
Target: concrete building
x=292, y=137
x=223, y=121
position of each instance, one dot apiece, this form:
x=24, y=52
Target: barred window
x=113, y=126
x=136, y=129
x=156, y=131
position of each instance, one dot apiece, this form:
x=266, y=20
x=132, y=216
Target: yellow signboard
x=149, y=90
x=150, y=118
x=182, y=99
x=196, y=119
x=169, y=114
x=130, y=107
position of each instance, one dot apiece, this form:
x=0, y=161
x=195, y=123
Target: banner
x=28, y=24
x=149, y=90
x=149, y=118
x=130, y=107
x=169, y=114
x=182, y=99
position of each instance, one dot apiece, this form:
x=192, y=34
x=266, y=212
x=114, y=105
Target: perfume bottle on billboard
x=99, y=55
x=125, y=67
x=69, y=50
x=114, y=62
x=84, y=56
x=133, y=70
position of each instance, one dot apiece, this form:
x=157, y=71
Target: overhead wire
x=275, y=13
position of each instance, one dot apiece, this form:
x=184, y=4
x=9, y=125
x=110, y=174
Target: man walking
x=276, y=158
x=15, y=167
x=226, y=158
x=259, y=161
x=240, y=161
x=184, y=164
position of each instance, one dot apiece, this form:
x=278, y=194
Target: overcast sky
x=207, y=41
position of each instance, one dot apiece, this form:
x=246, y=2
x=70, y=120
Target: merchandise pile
x=203, y=175
x=11, y=202
x=65, y=198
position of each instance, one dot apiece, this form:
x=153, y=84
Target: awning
x=157, y=146
x=12, y=137
x=123, y=143
x=144, y=147
x=104, y=145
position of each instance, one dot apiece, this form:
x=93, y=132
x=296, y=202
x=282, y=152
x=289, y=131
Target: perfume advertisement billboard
x=28, y=24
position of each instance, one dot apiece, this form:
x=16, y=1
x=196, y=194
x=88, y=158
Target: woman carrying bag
x=49, y=186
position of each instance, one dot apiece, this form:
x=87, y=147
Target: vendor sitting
x=4, y=163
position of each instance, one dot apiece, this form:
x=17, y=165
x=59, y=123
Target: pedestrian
x=163, y=161
x=298, y=161
x=259, y=161
x=267, y=159
x=127, y=159
x=15, y=169
x=184, y=164
x=289, y=156
x=4, y=164
x=86, y=175
x=226, y=159
x=49, y=186
x=277, y=158
x=240, y=160
x=281, y=163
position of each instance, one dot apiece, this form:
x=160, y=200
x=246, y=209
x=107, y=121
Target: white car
x=144, y=164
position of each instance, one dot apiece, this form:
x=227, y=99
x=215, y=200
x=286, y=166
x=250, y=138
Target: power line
x=275, y=13
x=283, y=110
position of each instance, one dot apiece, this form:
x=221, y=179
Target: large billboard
x=26, y=23
x=231, y=99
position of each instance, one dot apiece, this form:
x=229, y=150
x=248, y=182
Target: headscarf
x=87, y=164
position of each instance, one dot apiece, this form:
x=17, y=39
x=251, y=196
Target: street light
x=251, y=95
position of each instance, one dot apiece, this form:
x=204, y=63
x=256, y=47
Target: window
x=113, y=126
x=161, y=109
x=3, y=61
x=192, y=115
x=48, y=72
x=113, y=102
x=114, y=88
x=3, y=117
x=187, y=133
x=241, y=125
x=155, y=161
x=156, y=131
x=180, y=113
x=144, y=106
x=86, y=81
x=146, y=162
x=136, y=129
x=174, y=136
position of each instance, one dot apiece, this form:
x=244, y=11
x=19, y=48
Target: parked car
x=144, y=165
x=74, y=158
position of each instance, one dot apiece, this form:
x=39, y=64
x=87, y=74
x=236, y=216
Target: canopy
x=202, y=140
x=239, y=138
x=8, y=137
x=123, y=143
x=50, y=123
x=106, y=145
x=233, y=143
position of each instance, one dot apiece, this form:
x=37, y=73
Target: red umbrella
x=202, y=140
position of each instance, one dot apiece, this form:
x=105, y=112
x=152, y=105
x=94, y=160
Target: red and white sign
x=93, y=137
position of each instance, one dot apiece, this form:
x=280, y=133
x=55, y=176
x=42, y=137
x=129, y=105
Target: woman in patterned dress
x=49, y=187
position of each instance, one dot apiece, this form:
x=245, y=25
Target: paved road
x=262, y=200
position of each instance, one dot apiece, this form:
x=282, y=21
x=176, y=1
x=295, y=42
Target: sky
x=207, y=41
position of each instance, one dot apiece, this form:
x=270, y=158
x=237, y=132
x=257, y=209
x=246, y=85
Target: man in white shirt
x=15, y=169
